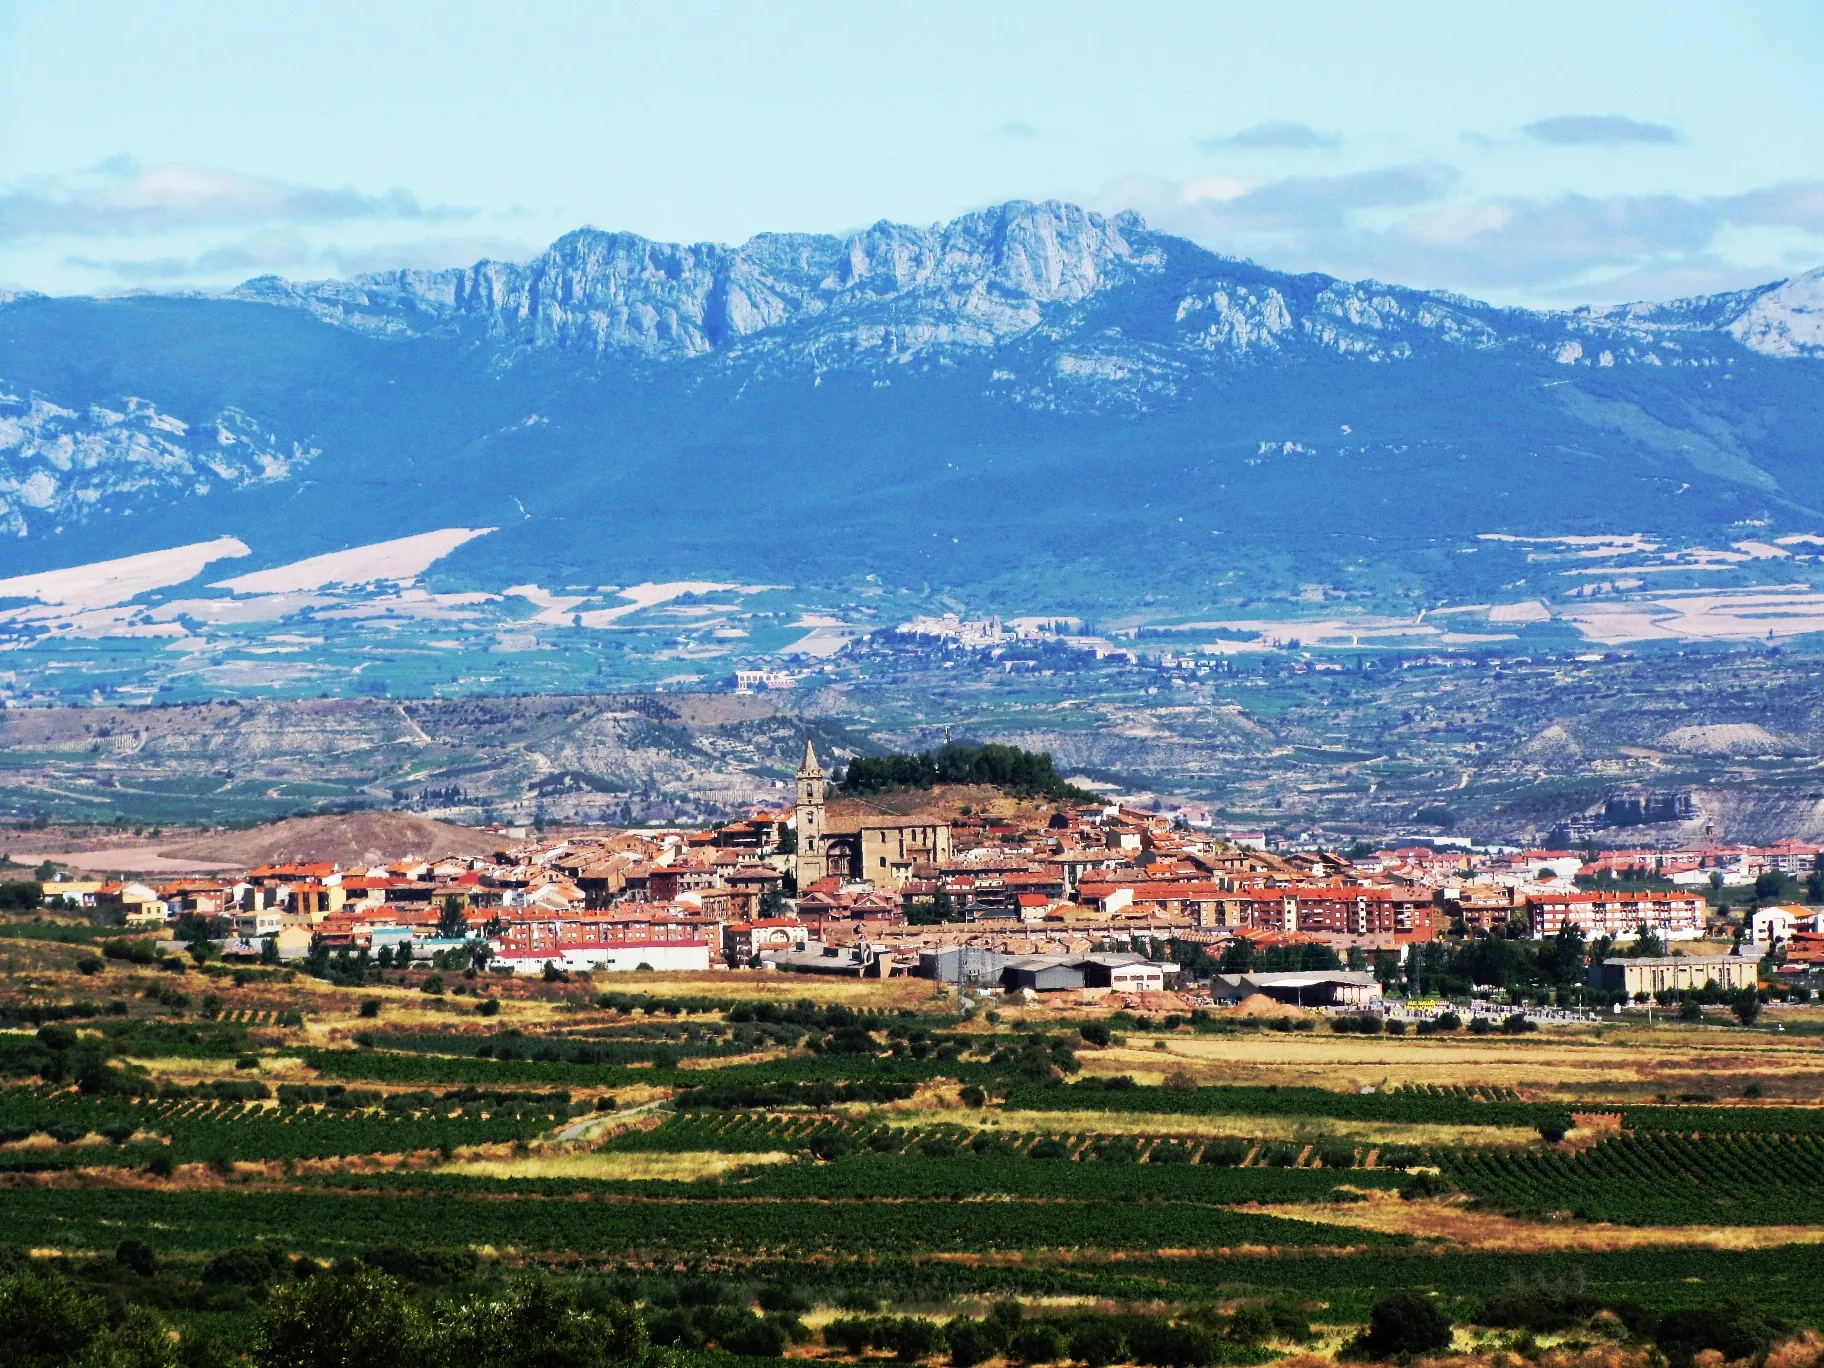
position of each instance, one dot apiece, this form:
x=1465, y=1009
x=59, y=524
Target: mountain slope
x=1032, y=406
x=983, y=279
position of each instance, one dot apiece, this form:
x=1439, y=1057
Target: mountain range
x=1032, y=405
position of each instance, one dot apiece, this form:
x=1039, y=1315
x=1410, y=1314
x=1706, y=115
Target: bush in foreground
x=1402, y=1325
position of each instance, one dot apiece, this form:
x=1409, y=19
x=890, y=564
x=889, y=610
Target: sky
x=1544, y=154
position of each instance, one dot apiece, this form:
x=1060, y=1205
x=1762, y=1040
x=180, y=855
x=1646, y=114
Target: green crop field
x=770, y=1178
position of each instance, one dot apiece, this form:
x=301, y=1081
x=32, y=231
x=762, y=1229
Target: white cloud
x=279, y=252
x=1789, y=204
x=120, y=198
x=1409, y=223
x=1216, y=206
x=1599, y=130
x=1274, y=135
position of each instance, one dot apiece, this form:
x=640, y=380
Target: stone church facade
x=873, y=846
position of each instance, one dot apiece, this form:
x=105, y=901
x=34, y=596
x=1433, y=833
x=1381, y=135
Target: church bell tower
x=813, y=859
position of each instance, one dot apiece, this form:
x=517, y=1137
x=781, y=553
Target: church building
x=857, y=842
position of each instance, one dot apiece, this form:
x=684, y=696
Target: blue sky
x=1542, y=153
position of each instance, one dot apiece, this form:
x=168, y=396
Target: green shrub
x=1167, y=1345
x=1279, y=1156
x=1037, y=1342
x=1226, y=1153
x=972, y=1341
x=1406, y=1323
x=1098, y=1343
x=1424, y=1184
x=136, y=1255
x=851, y=1334
x=756, y=1338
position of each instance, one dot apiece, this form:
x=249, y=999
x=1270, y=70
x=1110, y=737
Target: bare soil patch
x=351, y=839
x=677, y=1168
x=1452, y=1221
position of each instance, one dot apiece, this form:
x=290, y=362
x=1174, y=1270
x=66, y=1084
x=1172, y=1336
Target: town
x=1052, y=899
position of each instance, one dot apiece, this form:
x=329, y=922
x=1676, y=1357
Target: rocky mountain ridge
x=979, y=280
x=68, y=463
x=894, y=292
x=949, y=406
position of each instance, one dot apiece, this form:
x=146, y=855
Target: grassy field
x=628, y=1136
x=1619, y=1064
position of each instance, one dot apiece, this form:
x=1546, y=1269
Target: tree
x=194, y=926
x=909, y=1337
x=1561, y=958
x=1746, y=1004
x=1038, y=1342
x=360, y=1321
x=1737, y=1330
x=45, y=1322
x=539, y=1324
x=452, y=923
x=972, y=1341
x=773, y=905
x=20, y=895
x=1238, y=956
x=1099, y=1343
x=787, y=844
x=136, y=1255
x=1387, y=967
x=1027, y=774
x=1406, y=1323
x=940, y=908
x=1770, y=886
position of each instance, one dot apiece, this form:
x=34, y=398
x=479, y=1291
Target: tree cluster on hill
x=1023, y=773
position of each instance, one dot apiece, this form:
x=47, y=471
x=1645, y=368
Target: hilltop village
x=1035, y=897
